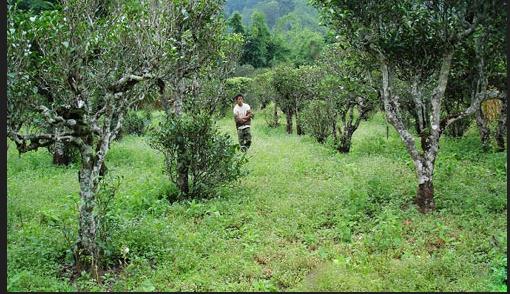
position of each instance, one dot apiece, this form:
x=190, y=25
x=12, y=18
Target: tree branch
x=127, y=82
x=479, y=98
x=391, y=107
x=25, y=143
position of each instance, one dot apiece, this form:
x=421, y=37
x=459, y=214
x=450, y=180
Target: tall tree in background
x=257, y=42
x=304, y=44
x=415, y=41
x=236, y=23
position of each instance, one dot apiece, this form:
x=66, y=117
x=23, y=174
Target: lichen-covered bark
x=61, y=154
x=420, y=111
x=502, y=126
x=87, y=250
x=483, y=129
x=391, y=108
x=423, y=161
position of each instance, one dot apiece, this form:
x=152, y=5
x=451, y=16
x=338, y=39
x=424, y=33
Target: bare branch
x=25, y=143
x=53, y=119
x=438, y=94
x=392, y=111
x=480, y=97
x=127, y=82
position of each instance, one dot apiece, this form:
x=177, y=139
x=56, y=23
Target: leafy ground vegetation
x=305, y=217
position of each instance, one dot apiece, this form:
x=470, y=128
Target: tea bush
x=318, y=118
x=135, y=123
x=211, y=158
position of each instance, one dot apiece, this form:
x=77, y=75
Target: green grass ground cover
x=304, y=218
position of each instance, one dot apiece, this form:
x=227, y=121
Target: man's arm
x=240, y=120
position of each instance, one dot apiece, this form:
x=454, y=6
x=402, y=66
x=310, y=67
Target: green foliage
x=255, y=51
x=211, y=158
x=306, y=45
x=237, y=85
x=236, y=23
x=136, y=123
x=318, y=119
x=244, y=70
x=359, y=231
x=296, y=36
x=271, y=115
x=286, y=85
x=261, y=89
x=34, y=5
x=274, y=11
x=107, y=219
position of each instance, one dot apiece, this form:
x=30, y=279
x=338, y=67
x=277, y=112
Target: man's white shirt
x=241, y=111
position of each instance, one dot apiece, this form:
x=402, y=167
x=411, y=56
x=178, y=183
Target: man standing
x=242, y=116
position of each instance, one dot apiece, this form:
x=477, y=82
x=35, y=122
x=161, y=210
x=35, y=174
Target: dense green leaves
x=318, y=118
x=211, y=158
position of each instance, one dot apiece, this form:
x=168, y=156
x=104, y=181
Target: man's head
x=239, y=99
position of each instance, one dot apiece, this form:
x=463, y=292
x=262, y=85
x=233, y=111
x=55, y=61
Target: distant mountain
x=278, y=13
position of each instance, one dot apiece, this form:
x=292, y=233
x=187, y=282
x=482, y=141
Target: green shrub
x=210, y=158
x=271, y=118
x=136, y=123
x=318, y=120
x=107, y=219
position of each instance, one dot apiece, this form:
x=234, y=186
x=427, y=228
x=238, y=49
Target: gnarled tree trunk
x=276, y=122
x=299, y=128
x=425, y=193
x=502, y=126
x=182, y=165
x=350, y=124
x=87, y=252
x=289, y=122
x=423, y=161
x=344, y=145
x=61, y=153
x=483, y=129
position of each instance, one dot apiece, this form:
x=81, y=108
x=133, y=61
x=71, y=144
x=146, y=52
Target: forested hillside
x=275, y=12
x=276, y=32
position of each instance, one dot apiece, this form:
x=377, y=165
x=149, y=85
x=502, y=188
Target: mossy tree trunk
x=483, y=129
x=289, y=114
x=502, y=126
